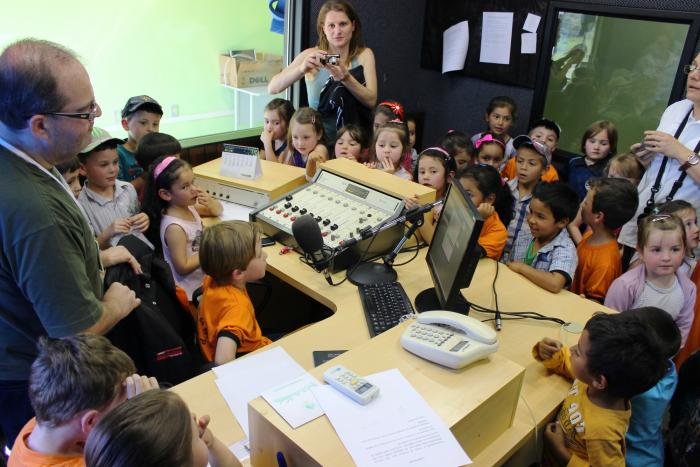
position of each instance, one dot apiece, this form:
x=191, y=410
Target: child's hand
x=411, y=203
x=139, y=222
x=317, y=156
x=516, y=266
x=372, y=165
x=266, y=138
x=119, y=226
x=203, y=199
x=486, y=209
x=137, y=384
x=555, y=441
x=385, y=164
x=205, y=433
x=547, y=347
x=437, y=210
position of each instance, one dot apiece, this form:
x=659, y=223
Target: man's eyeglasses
x=688, y=69
x=81, y=115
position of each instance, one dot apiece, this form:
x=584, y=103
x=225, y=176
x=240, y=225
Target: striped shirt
x=558, y=255
x=517, y=223
x=103, y=211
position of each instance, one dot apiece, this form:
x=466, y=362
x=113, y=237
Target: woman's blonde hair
x=357, y=44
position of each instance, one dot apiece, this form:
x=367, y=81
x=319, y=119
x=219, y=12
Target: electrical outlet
x=174, y=110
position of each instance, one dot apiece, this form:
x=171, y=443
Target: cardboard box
x=242, y=73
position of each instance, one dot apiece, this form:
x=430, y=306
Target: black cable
x=417, y=247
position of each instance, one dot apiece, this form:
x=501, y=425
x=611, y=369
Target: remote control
x=352, y=385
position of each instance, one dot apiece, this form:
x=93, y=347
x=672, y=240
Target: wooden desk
x=347, y=329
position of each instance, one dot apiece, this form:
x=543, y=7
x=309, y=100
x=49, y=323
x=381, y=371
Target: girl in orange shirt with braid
x=493, y=199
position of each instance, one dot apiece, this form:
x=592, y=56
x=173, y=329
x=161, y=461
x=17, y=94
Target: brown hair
x=228, y=246
x=74, y=374
x=665, y=222
x=357, y=44
x=595, y=128
x=628, y=165
x=283, y=107
x=400, y=129
x=153, y=428
x=306, y=116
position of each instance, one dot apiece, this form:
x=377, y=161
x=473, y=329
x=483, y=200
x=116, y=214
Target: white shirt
x=690, y=191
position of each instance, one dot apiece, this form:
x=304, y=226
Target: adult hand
x=118, y=255
x=312, y=60
x=338, y=72
x=139, y=222
x=137, y=384
x=666, y=144
x=546, y=348
x=121, y=299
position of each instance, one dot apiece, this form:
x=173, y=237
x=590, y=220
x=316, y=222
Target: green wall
x=167, y=49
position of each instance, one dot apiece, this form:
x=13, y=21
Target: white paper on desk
x=294, y=400
x=242, y=380
x=528, y=43
x=397, y=429
x=496, y=35
x=235, y=212
x=455, y=43
x=532, y=22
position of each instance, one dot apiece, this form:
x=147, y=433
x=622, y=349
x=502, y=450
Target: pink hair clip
x=396, y=120
x=162, y=165
x=438, y=149
x=488, y=138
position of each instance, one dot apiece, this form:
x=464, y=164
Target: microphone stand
x=373, y=273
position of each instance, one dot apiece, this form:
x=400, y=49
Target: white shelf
x=252, y=91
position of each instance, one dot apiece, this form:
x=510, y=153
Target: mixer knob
x=288, y=197
x=271, y=208
x=345, y=205
x=361, y=220
x=318, y=218
x=278, y=211
x=295, y=208
x=326, y=221
x=324, y=233
x=334, y=227
x=287, y=205
x=337, y=201
x=293, y=218
x=303, y=211
x=369, y=214
x=334, y=237
x=286, y=214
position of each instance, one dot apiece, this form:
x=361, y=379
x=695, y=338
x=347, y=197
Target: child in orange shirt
x=73, y=383
x=546, y=132
x=608, y=205
x=493, y=199
x=231, y=255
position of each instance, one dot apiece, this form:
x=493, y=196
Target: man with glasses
x=50, y=282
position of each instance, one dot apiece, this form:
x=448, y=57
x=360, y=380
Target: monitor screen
x=454, y=251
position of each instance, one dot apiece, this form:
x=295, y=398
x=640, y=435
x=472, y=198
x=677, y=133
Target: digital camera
x=330, y=59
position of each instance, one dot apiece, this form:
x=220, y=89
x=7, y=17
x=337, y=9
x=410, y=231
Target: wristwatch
x=693, y=159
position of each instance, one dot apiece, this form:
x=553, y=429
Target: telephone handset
x=449, y=338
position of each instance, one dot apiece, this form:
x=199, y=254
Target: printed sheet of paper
x=242, y=380
x=397, y=429
x=496, y=37
x=233, y=211
x=294, y=400
x=528, y=43
x=532, y=22
x=455, y=44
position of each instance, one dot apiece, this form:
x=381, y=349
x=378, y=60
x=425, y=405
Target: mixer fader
x=341, y=207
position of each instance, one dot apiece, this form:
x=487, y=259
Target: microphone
x=308, y=236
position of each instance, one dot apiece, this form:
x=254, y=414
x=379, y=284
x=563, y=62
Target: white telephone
x=449, y=338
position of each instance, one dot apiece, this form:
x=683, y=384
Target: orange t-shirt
x=493, y=237
x=598, y=266
x=23, y=456
x=692, y=343
x=228, y=310
x=510, y=171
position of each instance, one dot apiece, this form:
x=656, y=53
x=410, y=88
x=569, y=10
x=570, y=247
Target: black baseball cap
x=141, y=103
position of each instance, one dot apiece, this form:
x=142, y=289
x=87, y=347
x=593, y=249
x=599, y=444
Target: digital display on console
x=357, y=191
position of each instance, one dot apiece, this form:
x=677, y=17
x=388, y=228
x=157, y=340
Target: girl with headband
x=490, y=150
x=175, y=206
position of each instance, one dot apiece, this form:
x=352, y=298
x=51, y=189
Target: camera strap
x=681, y=178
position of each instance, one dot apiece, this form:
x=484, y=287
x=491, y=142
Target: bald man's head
x=28, y=80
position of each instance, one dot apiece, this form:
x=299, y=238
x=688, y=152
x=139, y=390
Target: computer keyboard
x=384, y=305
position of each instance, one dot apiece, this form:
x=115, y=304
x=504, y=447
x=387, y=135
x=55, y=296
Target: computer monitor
x=453, y=254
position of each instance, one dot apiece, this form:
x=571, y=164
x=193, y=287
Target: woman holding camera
x=340, y=73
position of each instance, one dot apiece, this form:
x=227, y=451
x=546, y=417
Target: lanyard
x=22, y=155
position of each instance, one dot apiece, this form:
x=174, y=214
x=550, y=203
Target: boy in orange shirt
x=608, y=205
x=73, y=383
x=546, y=132
x=231, y=255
